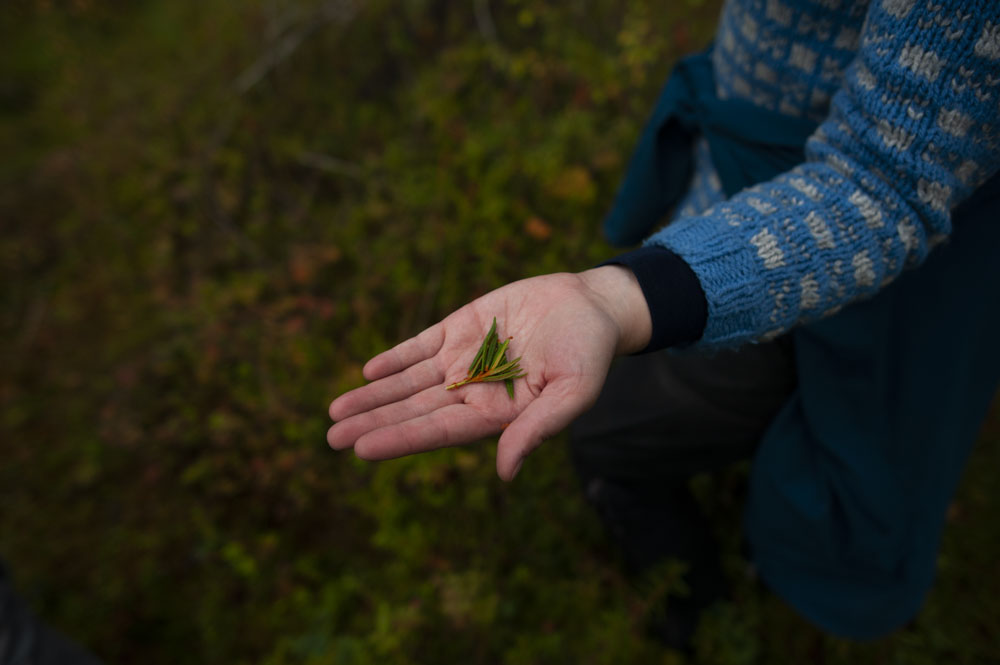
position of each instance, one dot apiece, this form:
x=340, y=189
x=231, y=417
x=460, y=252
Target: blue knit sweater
x=909, y=95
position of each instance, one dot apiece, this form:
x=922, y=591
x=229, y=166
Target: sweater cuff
x=677, y=303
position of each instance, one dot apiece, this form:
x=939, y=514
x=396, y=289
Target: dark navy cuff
x=676, y=300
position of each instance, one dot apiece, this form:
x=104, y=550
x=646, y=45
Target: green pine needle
x=491, y=363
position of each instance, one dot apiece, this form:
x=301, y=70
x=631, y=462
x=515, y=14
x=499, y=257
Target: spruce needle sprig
x=491, y=364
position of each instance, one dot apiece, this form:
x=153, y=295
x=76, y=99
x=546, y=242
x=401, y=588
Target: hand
x=565, y=327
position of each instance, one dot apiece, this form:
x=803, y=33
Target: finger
x=451, y=425
x=345, y=433
x=407, y=353
x=387, y=390
x=547, y=415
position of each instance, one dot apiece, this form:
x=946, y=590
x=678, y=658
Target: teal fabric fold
x=851, y=483
x=747, y=144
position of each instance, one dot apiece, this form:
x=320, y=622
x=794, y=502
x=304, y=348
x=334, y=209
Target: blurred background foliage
x=213, y=212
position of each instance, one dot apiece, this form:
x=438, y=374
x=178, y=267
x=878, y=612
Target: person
x=829, y=172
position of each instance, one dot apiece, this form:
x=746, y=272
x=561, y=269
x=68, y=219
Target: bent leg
x=662, y=418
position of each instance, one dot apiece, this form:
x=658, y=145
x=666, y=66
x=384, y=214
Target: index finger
x=404, y=354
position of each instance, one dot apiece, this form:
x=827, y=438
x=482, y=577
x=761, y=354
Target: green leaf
x=474, y=367
x=500, y=355
x=510, y=387
x=510, y=364
x=511, y=373
x=491, y=346
x=479, y=362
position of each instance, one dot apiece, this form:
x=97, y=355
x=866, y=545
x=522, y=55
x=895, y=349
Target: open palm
x=562, y=330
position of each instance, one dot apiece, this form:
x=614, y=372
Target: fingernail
x=517, y=468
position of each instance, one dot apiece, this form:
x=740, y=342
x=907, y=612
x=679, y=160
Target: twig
x=330, y=164
x=332, y=11
x=256, y=72
x=484, y=20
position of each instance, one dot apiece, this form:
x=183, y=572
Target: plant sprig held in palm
x=491, y=364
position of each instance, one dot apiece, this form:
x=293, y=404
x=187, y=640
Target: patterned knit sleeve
x=913, y=131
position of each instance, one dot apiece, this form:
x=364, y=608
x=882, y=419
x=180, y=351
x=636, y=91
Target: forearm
x=912, y=133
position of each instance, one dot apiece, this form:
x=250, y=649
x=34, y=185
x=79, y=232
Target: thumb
x=547, y=415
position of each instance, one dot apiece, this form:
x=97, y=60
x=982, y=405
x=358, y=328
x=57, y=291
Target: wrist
x=619, y=294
